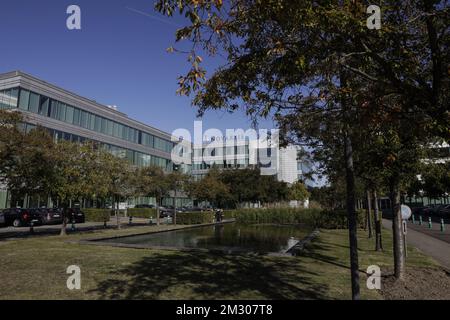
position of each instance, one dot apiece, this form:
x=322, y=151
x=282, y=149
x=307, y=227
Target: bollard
x=32, y=227
x=151, y=220
x=413, y=219
x=420, y=220
x=429, y=223
x=73, y=225
x=442, y=225
x=104, y=224
x=130, y=220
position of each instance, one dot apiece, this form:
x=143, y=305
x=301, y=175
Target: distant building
x=286, y=163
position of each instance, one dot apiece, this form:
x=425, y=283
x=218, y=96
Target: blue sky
x=118, y=58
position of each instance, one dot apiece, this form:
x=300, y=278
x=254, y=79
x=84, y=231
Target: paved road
x=435, y=230
x=421, y=238
x=11, y=232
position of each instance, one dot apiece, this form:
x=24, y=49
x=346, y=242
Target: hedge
x=195, y=217
x=318, y=218
x=142, y=212
x=338, y=219
x=97, y=215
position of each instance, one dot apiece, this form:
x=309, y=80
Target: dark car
x=75, y=215
x=165, y=212
x=150, y=206
x=444, y=211
x=194, y=209
x=426, y=210
x=51, y=215
x=18, y=217
x=2, y=220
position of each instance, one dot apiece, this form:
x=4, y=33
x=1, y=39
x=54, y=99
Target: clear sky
x=118, y=58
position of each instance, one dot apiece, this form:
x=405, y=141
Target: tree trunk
x=64, y=222
x=369, y=213
x=399, y=252
x=175, y=207
x=158, y=213
x=352, y=222
x=378, y=219
x=117, y=213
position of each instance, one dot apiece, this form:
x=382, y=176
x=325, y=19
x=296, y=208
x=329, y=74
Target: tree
x=25, y=168
x=76, y=175
x=121, y=180
x=435, y=179
x=177, y=182
x=270, y=190
x=153, y=183
x=298, y=192
x=210, y=188
x=313, y=56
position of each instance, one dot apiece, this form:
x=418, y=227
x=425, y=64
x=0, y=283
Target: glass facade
x=45, y=106
x=134, y=157
x=8, y=98
x=3, y=199
x=39, y=104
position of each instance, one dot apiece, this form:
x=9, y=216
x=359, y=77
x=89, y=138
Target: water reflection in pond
x=232, y=237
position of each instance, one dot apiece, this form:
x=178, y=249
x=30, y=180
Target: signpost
x=406, y=214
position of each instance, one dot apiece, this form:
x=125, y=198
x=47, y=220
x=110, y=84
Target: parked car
x=76, y=215
x=150, y=206
x=165, y=212
x=2, y=220
x=194, y=209
x=18, y=217
x=444, y=211
x=426, y=210
x=51, y=215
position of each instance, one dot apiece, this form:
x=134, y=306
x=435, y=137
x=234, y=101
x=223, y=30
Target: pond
x=228, y=237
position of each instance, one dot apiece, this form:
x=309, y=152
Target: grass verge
x=35, y=268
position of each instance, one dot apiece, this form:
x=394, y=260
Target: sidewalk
x=423, y=239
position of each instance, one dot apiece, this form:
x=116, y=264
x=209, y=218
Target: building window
x=43, y=106
x=69, y=114
x=34, y=103
x=62, y=112
x=8, y=98
x=24, y=99
x=83, y=119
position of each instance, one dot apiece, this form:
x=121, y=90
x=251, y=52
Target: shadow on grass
x=314, y=249
x=211, y=276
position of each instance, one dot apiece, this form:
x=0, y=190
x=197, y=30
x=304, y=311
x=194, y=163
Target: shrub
x=97, y=215
x=229, y=214
x=195, y=217
x=142, y=212
x=337, y=219
x=318, y=218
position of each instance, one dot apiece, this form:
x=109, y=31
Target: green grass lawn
x=35, y=268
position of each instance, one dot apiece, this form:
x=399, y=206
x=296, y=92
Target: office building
x=71, y=117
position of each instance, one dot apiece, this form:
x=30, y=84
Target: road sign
x=406, y=212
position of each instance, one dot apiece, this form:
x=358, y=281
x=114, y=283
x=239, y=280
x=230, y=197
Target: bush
x=142, y=212
x=229, y=214
x=337, y=219
x=195, y=217
x=315, y=217
x=97, y=215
